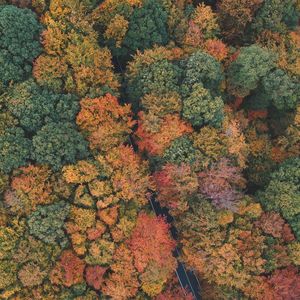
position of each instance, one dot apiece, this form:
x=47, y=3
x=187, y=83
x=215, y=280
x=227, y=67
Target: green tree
x=19, y=42
x=15, y=149
x=282, y=194
x=57, y=144
x=180, y=151
x=159, y=78
x=201, y=108
x=276, y=15
x=34, y=106
x=147, y=27
x=201, y=67
x=244, y=74
x=47, y=223
x=279, y=90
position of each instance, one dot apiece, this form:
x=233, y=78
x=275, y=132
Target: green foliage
x=47, y=223
x=15, y=149
x=34, y=106
x=180, y=151
x=19, y=42
x=159, y=78
x=147, y=27
x=58, y=144
x=244, y=74
x=276, y=15
x=201, y=108
x=279, y=90
x=201, y=67
x=283, y=192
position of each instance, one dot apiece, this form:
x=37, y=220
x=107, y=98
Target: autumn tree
x=123, y=281
x=152, y=248
x=175, y=185
x=105, y=122
x=222, y=183
x=73, y=61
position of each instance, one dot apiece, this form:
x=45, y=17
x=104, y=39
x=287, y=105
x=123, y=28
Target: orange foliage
x=150, y=242
x=171, y=128
x=216, y=48
x=122, y=283
x=31, y=186
x=106, y=123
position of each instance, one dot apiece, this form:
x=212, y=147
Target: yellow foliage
x=117, y=29
x=82, y=217
x=82, y=172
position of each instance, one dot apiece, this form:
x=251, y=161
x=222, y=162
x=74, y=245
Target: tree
x=47, y=222
x=155, y=143
x=68, y=270
x=180, y=151
x=159, y=78
x=19, y=43
x=122, y=283
x=202, y=68
x=15, y=149
x=30, y=186
x=147, y=27
x=57, y=144
x=152, y=247
x=244, y=74
x=200, y=108
x=34, y=106
x=282, y=192
x=279, y=90
x=105, y=122
x=175, y=186
x=222, y=184
x=73, y=60
x=94, y=276
x=275, y=15
x=235, y=16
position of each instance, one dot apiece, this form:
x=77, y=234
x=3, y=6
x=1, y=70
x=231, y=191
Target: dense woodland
x=104, y=104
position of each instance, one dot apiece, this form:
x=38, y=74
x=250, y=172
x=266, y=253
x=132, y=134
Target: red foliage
x=257, y=114
x=174, y=184
x=68, y=270
x=94, y=276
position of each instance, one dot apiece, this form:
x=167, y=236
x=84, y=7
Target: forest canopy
x=108, y=105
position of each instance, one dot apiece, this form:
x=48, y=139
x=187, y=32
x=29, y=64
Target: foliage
x=105, y=122
x=19, y=42
x=34, y=107
x=203, y=68
x=47, y=222
x=147, y=27
x=57, y=144
x=15, y=149
x=244, y=74
x=73, y=61
x=200, y=108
